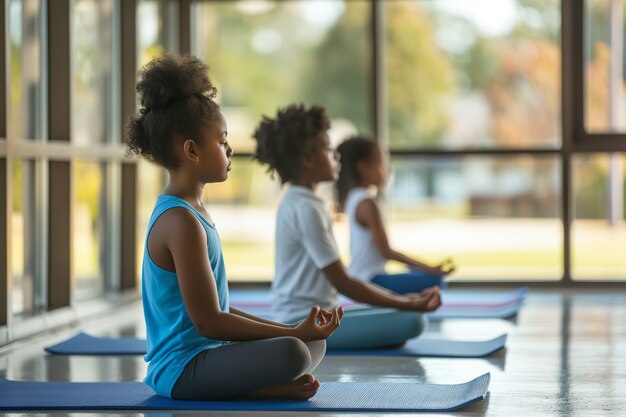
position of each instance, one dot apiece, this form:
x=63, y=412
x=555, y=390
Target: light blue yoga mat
x=443, y=312
x=332, y=396
x=85, y=344
x=450, y=298
x=423, y=347
x=505, y=312
x=467, y=298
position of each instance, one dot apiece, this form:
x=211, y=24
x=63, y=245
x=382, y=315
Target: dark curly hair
x=176, y=99
x=284, y=141
x=352, y=151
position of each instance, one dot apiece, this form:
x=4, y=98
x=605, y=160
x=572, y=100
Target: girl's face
x=323, y=160
x=214, y=153
x=373, y=170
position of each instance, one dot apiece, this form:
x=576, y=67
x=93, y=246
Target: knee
x=420, y=323
x=317, y=346
x=295, y=355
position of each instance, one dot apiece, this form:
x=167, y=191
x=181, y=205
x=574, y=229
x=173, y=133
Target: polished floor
x=565, y=356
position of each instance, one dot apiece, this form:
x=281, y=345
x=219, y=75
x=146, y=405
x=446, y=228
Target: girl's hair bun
x=171, y=78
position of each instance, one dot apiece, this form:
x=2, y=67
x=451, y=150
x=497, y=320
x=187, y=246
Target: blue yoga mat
x=85, y=344
x=423, y=347
x=332, y=396
x=505, y=312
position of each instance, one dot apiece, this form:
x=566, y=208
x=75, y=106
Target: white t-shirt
x=366, y=261
x=305, y=244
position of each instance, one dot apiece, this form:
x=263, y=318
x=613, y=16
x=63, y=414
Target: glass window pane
x=157, y=33
x=93, y=72
x=458, y=77
x=23, y=237
x=88, y=224
x=598, y=230
x=497, y=217
x=604, y=66
x=27, y=93
x=157, y=29
x=265, y=55
x=244, y=211
x=151, y=180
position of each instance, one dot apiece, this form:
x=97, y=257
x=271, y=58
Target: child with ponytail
x=363, y=172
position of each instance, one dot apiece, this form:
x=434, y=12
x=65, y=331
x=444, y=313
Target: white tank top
x=366, y=260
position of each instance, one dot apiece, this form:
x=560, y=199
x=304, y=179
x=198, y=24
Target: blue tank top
x=173, y=340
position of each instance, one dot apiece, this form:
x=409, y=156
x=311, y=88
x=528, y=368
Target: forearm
x=238, y=328
x=259, y=319
x=397, y=256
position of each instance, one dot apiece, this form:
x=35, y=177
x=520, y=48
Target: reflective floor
x=565, y=356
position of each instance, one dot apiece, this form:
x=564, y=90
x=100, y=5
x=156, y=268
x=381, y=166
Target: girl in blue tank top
x=200, y=348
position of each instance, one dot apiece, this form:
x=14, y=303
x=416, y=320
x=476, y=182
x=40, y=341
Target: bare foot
x=301, y=388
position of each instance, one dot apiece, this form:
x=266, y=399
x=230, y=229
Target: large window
x=604, y=66
x=93, y=75
x=266, y=55
x=598, y=230
x=157, y=33
x=88, y=224
x=498, y=217
x=459, y=77
x=26, y=93
x=505, y=120
x=26, y=121
x=94, y=120
x=457, y=80
x=23, y=237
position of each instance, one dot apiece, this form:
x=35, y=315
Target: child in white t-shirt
x=363, y=172
x=295, y=145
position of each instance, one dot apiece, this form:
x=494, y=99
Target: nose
x=336, y=156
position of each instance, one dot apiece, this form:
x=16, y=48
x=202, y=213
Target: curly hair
x=176, y=99
x=351, y=151
x=284, y=141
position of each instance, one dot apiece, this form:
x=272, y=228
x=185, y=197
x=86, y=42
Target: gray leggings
x=237, y=369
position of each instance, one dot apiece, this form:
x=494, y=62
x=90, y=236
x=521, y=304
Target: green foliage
x=18, y=189
x=419, y=77
x=339, y=70
x=88, y=186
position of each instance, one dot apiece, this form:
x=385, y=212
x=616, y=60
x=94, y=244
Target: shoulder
x=179, y=222
x=356, y=195
x=367, y=210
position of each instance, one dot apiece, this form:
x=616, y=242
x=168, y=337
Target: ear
x=361, y=168
x=307, y=161
x=190, y=150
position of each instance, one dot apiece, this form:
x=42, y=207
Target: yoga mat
x=332, y=396
x=449, y=298
x=467, y=298
x=85, y=344
x=505, y=312
x=444, y=312
x=424, y=347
